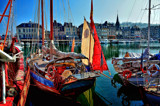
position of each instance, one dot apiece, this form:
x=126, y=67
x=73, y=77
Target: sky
x=103, y=10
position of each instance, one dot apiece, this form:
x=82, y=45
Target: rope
x=38, y=23
x=64, y=10
x=131, y=11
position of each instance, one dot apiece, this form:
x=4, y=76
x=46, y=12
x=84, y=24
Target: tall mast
x=51, y=21
x=8, y=23
x=42, y=23
x=149, y=16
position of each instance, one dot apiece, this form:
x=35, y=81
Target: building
x=135, y=32
x=126, y=32
x=28, y=30
x=70, y=31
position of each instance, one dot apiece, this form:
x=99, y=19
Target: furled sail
x=87, y=43
x=59, y=54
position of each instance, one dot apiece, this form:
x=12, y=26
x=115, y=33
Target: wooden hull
x=149, y=98
x=71, y=89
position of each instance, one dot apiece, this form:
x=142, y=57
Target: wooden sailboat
x=63, y=74
x=134, y=68
x=14, y=80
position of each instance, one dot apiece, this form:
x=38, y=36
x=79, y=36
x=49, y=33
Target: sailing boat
x=135, y=68
x=91, y=46
x=64, y=74
x=14, y=80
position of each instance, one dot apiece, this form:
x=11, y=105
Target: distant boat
x=104, y=41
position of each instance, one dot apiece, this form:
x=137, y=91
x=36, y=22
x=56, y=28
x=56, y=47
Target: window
x=29, y=30
x=23, y=30
x=19, y=30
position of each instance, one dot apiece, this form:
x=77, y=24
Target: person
x=157, y=56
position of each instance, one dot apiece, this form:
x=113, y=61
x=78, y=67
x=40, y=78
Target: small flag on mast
x=73, y=43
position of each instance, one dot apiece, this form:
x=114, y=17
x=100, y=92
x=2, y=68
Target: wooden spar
x=5, y=10
x=51, y=20
x=6, y=73
x=8, y=22
x=149, y=16
x=5, y=15
x=90, y=35
x=3, y=85
x=106, y=76
x=42, y=23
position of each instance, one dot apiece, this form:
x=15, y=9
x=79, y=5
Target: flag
x=73, y=43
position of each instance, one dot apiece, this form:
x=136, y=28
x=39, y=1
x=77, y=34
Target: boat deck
x=85, y=75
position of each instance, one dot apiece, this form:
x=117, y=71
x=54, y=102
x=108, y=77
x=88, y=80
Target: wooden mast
x=42, y=23
x=149, y=16
x=8, y=22
x=51, y=21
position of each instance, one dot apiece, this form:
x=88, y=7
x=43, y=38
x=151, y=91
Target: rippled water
x=105, y=92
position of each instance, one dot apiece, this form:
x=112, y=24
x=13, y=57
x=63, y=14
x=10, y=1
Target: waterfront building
x=28, y=30
x=104, y=32
x=70, y=31
x=135, y=32
x=126, y=32
x=154, y=32
x=58, y=31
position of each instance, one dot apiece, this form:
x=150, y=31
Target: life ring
x=128, y=72
x=51, y=70
x=150, y=69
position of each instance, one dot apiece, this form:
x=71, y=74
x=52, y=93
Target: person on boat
x=156, y=56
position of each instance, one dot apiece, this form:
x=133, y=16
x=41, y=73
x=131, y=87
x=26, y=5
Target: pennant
x=73, y=43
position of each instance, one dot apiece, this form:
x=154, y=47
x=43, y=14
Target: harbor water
x=105, y=91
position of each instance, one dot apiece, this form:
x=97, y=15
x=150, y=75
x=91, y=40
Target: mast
x=8, y=23
x=149, y=16
x=3, y=85
x=51, y=21
x=42, y=23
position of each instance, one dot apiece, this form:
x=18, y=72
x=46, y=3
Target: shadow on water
x=127, y=93
x=37, y=97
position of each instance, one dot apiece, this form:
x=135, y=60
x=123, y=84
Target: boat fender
x=127, y=73
x=150, y=68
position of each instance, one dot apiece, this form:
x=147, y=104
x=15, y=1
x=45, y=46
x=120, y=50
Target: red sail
x=99, y=62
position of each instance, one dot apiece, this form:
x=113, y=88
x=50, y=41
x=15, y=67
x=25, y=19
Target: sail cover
x=87, y=43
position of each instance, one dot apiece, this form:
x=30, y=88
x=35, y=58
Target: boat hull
x=71, y=89
x=149, y=98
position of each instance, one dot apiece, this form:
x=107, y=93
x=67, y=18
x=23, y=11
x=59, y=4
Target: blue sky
x=104, y=10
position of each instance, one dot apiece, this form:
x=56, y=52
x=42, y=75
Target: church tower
x=117, y=23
